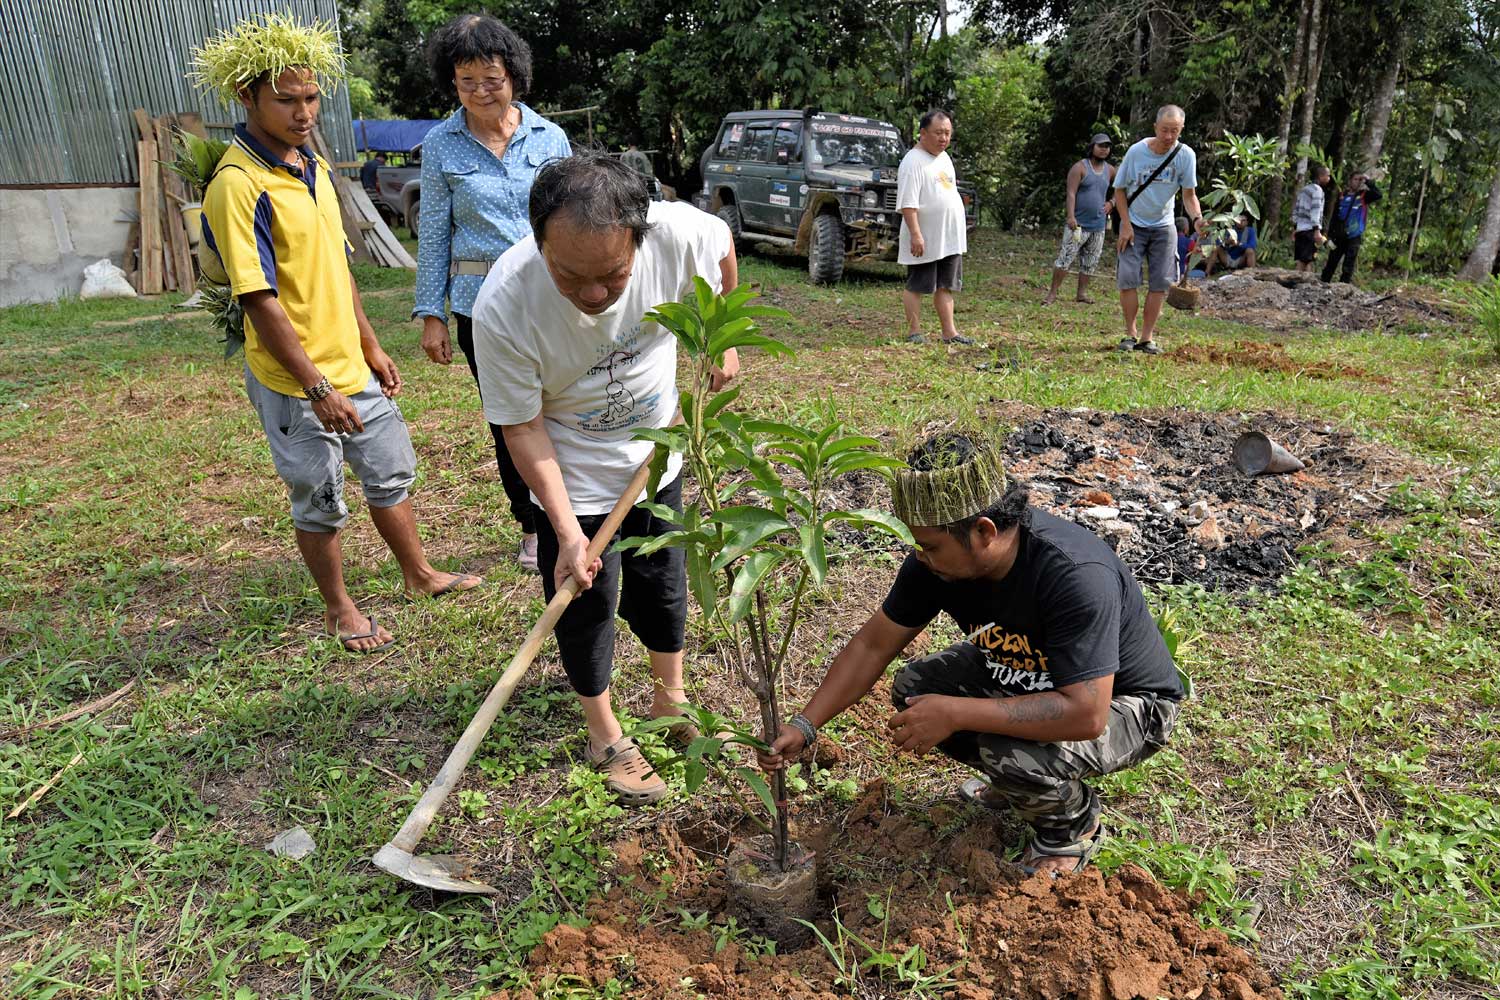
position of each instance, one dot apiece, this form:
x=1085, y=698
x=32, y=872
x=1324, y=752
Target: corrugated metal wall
x=71, y=71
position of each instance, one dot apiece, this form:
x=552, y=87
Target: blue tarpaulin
x=390, y=136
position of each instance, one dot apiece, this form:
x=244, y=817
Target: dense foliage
x=1413, y=87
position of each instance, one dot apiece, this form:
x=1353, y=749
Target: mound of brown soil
x=1279, y=299
x=944, y=889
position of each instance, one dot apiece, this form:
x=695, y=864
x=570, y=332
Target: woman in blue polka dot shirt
x=477, y=169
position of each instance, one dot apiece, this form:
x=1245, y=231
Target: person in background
x=1146, y=185
x=477, y=169
x=369, y=172
x=1307, y=218
x=1236, y=250
x=1351, y=215
x=1186, y=244
x=934, y=236
x=1089, y=205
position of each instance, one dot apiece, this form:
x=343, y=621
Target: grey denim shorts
x=310, y=460
x=1156, y=247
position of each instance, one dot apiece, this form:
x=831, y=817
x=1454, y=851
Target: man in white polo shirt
x=570, y=371
x=934, y=237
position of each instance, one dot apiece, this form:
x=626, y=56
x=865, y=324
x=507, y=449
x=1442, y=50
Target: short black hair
x=1009, y=510
x=478, y=38
x=931, y=117
x=944, y=451
x=1319, y=168
x=596, y=189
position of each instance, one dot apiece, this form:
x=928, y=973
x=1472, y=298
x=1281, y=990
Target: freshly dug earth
x=1278, y=299
x=937, y=877
x=1269, y=357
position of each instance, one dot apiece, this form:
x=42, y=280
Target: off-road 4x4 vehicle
x=822, y=184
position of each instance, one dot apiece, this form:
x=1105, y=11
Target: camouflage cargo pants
x=1044, y=782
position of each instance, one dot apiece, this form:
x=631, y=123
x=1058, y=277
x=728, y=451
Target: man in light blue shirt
x=1146, y=187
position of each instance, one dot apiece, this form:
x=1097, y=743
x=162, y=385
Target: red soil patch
x=1080, y=937
x=1269, y=357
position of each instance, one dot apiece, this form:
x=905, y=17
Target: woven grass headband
x=941, y=496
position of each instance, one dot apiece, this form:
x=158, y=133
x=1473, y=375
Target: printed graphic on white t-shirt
x=596, y=380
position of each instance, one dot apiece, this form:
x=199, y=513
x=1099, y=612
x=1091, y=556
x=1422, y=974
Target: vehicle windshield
x=835, y=143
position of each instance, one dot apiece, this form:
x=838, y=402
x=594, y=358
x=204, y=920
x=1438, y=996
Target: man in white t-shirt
x=570, y=372
x=934, y=237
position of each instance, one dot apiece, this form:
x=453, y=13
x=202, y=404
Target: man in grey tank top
x=1089, y=204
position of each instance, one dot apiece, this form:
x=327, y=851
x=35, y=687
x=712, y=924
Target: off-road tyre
x=414, y=218
x=731, y=216
x=825, y=250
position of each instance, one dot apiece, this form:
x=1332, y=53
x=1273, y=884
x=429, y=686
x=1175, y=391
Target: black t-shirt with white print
x=1068, y=611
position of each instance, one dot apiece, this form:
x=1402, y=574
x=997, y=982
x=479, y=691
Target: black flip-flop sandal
x=453, y=585
x=344, y=640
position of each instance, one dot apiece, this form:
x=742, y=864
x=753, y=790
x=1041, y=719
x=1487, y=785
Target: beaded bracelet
x=807, y=729
x=322, y=390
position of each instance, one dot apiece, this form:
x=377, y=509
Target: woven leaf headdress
x=956, y=479
x=266, y=44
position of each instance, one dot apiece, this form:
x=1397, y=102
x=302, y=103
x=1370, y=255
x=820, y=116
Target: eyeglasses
x=475, y=86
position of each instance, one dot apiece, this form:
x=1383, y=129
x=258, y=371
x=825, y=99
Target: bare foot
x=438, y=584
x=1085, y=298
x=1051, y=298
x=664, y=701
x=353, y=630
x=1057, y=866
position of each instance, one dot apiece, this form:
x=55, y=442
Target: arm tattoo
x=1042, y=707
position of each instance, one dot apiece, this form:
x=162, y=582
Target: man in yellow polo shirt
x=321, y=384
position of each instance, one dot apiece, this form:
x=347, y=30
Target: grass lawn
x=1331, y=795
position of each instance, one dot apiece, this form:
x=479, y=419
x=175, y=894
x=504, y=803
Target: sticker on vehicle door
x=780, y=199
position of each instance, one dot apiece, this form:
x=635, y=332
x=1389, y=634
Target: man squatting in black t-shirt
x=1063, y=675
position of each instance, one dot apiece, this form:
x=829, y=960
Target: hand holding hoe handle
x=396, y=857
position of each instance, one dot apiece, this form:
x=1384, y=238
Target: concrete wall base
x=48, y=236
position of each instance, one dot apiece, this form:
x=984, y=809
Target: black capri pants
x=649, y=592
x=516, y=491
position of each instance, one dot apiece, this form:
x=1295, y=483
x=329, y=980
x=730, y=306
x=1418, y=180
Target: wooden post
x=132, y=256
x=151, y=248
x=176, y=196
x=192, y=121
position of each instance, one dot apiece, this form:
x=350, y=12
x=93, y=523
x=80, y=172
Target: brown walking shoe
x=627, y=773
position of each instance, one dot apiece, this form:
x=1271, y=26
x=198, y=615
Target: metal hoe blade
x=435, y=871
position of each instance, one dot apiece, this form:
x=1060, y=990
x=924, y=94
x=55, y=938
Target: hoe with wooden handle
x=449, y=874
